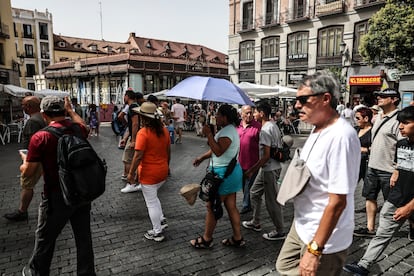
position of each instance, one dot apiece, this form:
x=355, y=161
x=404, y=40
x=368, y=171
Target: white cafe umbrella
x=210, y=89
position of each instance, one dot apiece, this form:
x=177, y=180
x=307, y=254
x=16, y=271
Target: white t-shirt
x=179, y=111
x=334, y=166
x=269, y=136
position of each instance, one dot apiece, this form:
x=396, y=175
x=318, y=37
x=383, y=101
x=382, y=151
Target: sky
x=200, y=22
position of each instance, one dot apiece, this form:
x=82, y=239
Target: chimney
x=131, y=34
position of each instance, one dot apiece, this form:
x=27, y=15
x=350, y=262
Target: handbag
x=210, y=184
x=296, y=177
x=295, y=180
x=280, y=154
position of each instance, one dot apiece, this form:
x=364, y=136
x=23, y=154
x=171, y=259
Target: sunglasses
x=384, y=96
x=304, y=99
x=358, y=118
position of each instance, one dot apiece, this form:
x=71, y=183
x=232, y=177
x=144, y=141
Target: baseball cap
x=387, y=92
x=52, y=104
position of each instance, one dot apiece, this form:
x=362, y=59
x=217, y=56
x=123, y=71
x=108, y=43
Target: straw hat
x=189, y=192
x=148, y=109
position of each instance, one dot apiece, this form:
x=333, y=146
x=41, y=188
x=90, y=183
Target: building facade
x=33, y=36
x=98, y=71
x=280, y=41
x=8, y=58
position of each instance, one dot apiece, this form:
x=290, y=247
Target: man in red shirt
x=248, y=130
x=53, y=212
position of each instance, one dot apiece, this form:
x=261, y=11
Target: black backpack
x=280, y=154
x=82, y=172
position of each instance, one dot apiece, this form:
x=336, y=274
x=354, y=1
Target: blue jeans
x=53, y=216
x=247, y=184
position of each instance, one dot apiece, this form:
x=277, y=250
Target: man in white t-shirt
x=179, y=114
x=324, y=212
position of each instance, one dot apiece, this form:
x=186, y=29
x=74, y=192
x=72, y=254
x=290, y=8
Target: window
x=31, y=86
x=44, y=50
x=247, y=16
x=30, y=70
x=28, y=50
x=93, y=47
x=247, y=51
x=27, y=31
x=361, y=29
x=2, y=60
x=16, y=34
x=43, y=31
x=329, y=41
x=299, y=9
x=271, y=12
x=270, y=48
x=62, y=44
x=44, y=65
x=298, y=45
x=121, y=49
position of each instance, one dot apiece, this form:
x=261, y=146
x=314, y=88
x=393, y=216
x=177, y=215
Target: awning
x=17, y=91
x=51, y=92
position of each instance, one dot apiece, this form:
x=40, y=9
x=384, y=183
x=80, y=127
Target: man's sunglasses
x=304, y=99
x=384, y=96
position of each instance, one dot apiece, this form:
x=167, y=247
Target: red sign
x=365, y=80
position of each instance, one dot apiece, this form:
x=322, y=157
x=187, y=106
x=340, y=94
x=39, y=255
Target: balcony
x=269, y=21
x=4, y=31
x=45, y=56
x=330, y=8
x=329, y=60
x=361, y=4
x=300, y=14
x=246, y=26
x=26, y=35
x=44, y=36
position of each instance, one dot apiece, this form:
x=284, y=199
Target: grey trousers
x=266, y=183
x=386, y=229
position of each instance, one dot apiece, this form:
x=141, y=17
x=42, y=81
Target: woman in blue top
x=223, y=147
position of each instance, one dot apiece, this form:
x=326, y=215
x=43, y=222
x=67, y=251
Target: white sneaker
x=150, y=235
x=130, y=188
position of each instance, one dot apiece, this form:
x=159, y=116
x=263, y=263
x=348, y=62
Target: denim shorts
x=376, y=180
x=233, y=183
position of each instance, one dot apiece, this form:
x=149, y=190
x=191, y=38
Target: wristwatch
x=314, y=248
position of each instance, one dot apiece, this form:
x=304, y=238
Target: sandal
x=201, y=243
x=232, y=242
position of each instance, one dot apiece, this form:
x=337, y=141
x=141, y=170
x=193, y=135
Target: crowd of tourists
x=373, y=145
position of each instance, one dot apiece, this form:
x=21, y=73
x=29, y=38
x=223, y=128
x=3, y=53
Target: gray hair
x=323, y=81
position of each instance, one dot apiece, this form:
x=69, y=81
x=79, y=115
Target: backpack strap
x=56, y=131
x=74, y=129
x=382, y=123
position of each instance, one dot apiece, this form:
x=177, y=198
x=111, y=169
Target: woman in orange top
x=151, y=158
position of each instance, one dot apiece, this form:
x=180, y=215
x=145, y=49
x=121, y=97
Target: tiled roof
x=141, y=46
x=85, y=44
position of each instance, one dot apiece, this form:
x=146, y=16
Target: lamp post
x=345, y=63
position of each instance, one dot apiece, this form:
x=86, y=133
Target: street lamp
x=343, y=49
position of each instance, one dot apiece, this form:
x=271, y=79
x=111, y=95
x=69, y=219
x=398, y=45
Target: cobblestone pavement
x=120, y=220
